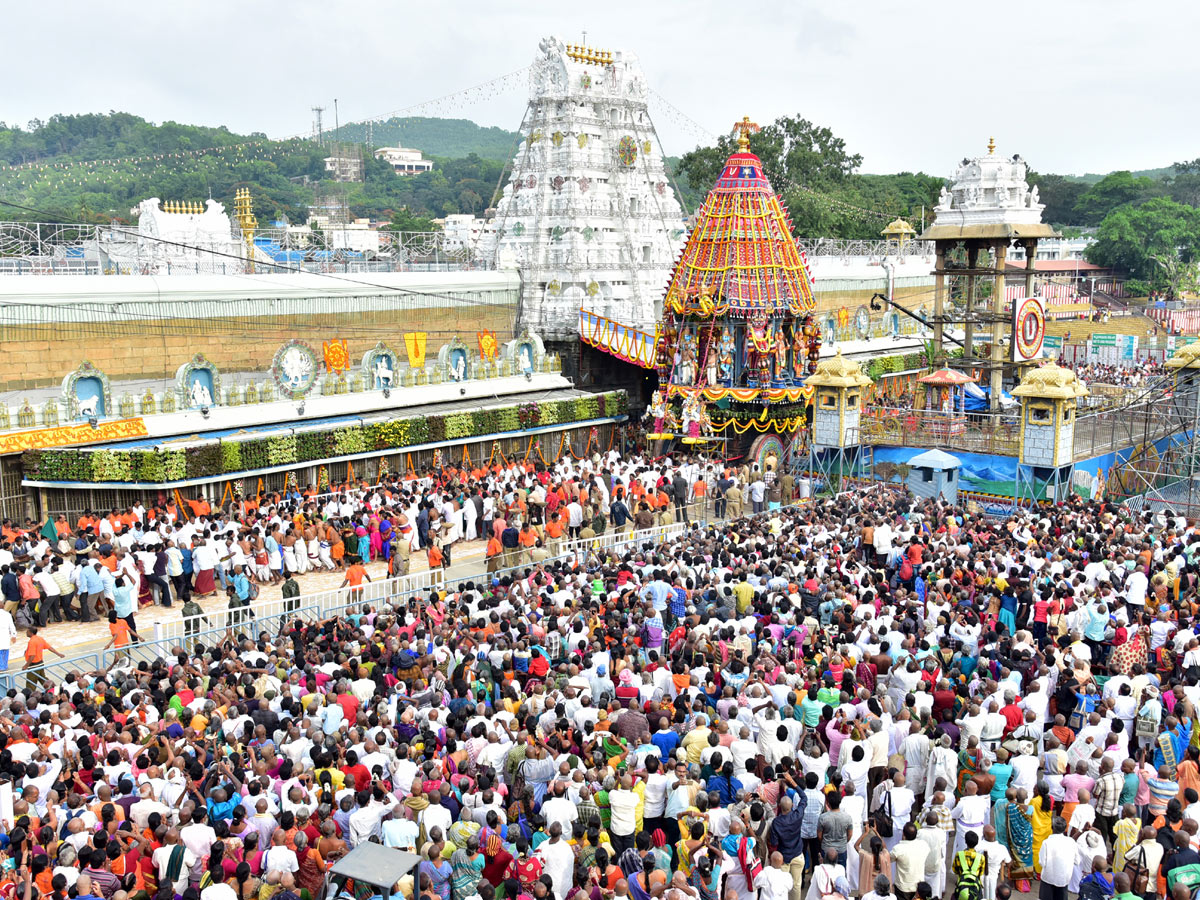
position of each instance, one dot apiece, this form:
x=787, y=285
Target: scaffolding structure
x=1162, y=471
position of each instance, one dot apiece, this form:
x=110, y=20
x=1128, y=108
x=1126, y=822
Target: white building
x=357, y=236
x=176, y=235
x=404, y=161
x=462, y=231
x=347, y=167
x=589, y=215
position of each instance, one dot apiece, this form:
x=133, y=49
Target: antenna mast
x=317, y=110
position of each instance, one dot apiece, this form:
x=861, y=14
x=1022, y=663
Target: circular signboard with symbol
x=1029, y=328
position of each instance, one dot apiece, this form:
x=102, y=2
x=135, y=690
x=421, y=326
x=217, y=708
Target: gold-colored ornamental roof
x=898, y=227
x=837, y=372
x=1051, y=382
x=1185, y=358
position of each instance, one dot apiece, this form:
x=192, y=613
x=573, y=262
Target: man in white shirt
x=623, y=805
x=774, y=882
x=197, y=836
x=162, y=861
x=280, y=858
x=560, y=809
x=558, y=860
x=998, y=860
x=910, y=856
x=218, y=890
x=1057, y=859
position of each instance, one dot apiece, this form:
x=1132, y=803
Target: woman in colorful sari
x=311, y=874
x=970, y=761
x=1041, y=815
x=385, y=539
x=1014, y=829
x=438, y=870
x=467, y=869
x=145, y=591
x=376, y=542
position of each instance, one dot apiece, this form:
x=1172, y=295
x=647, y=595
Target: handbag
x=830, y=891
x=882, y=818
x=1146, y=726
x=1139, y=874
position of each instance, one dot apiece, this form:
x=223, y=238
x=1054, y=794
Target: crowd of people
x=1130, y=375
x=863, y=696
x=160, y=553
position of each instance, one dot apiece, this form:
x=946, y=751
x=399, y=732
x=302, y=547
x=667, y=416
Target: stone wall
x=39, y=355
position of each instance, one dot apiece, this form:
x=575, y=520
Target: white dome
x=990, y=190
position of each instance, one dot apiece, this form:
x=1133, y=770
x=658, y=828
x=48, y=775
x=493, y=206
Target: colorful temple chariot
x=737, y=338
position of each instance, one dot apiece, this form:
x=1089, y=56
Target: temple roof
x=741, y=249
x=1051, y=382
x=1185, y=358
x=838, y=372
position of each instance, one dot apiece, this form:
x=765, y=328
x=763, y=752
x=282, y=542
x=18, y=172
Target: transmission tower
x=317, y=110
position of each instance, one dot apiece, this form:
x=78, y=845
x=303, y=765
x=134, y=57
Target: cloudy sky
x=1072, y=86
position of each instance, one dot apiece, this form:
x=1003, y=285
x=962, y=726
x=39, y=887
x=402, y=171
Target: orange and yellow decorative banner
x=488, y=345
x=65, y=435
x=337, y=356
x=414, y=341
x=745, y=395
x=780, y=426
x=622, y=341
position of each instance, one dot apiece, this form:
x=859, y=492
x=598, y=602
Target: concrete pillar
x=939, y=299
x=969, y=327
x=997, y=368
x=1030, y=252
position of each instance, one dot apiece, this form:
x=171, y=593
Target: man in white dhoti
x=916, y=750
x=943, y=763
x=899, y=799
x=971, y=813
x=470, y=521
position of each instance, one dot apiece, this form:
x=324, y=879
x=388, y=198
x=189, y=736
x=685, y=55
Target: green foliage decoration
x=230, y=457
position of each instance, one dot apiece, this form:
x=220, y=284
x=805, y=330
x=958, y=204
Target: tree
x=1059, y=195
x=812, y=170
x=1157, y=243
x=1185, y=186
x=793, y=151
x=403, y=220
x=1113, y=190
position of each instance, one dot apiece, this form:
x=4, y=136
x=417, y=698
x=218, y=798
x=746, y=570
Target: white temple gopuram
x=589, y=215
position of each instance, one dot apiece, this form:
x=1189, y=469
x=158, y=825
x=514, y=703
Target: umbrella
x=947, y=378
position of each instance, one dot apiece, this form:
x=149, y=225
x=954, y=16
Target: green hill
x=93, y=168
x=1095, y=178
x=436, y=137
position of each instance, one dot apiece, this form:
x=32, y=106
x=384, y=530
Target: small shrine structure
x=988, y=207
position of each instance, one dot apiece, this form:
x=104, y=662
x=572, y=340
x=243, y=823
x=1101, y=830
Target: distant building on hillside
x=404, y=161
x=346, y=163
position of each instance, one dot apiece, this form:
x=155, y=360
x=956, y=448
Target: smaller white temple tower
x=988, y=207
